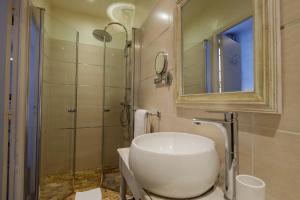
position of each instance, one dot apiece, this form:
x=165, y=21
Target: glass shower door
x=116, y=117
x=59, y=103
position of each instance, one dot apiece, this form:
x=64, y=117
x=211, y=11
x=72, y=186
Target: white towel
x=140, y=122
x=94, y=194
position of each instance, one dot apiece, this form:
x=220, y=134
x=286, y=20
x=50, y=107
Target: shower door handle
x=71, y=110
x=106, y=110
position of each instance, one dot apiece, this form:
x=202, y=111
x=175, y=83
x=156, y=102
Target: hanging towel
x=140, y=122
x=94, y=194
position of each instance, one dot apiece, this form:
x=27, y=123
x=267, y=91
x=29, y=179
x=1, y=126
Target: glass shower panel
x=59, y=86
x=33, y=103
x=116, y=126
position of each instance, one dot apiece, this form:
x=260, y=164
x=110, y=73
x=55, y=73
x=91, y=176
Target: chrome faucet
x=228, y=126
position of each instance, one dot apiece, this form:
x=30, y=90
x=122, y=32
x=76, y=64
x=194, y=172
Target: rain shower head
x=102, y=35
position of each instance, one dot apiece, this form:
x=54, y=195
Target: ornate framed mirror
x=228, y=55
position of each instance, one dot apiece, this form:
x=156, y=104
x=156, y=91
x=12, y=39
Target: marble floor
x=59, y=187
x=87, y=179
x=56, y=187
x=111, y=179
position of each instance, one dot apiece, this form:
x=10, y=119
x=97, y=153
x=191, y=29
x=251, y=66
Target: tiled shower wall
x=90, y=107
x=59, y=96
x=58, y=92
x=193, y=58
x=269, y=144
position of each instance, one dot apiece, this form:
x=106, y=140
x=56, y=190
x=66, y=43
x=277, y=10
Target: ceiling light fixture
x=118, y=12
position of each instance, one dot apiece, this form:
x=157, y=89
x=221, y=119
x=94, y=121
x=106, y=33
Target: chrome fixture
x=125, y=114
x=104, y=36
x=155, y=113
x=71, y=110
x=119, y=24
x=229, y=126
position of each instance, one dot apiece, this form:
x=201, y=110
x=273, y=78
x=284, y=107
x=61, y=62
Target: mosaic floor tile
x=58, y=187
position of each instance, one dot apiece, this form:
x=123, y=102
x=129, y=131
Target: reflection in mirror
x=217, y=42
x=236, y=48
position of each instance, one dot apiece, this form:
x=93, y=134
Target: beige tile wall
x=90, y=107
x=114, y=134
x=88, y=152
x=194, y=69
x=57, y=151
x=58, y=95
x=269, y=144
x=113, y=139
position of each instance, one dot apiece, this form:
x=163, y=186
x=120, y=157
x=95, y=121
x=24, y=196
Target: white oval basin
x=176, y=165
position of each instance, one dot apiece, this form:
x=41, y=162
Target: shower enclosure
x=80, y=108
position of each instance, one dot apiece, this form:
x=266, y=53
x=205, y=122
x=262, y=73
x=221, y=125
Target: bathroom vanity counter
x=139, y=193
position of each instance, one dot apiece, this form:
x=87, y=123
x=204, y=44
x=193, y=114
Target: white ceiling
x=98, y=8
x=89, y=7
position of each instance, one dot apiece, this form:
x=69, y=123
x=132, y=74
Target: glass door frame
x=5, y=54
x=32, y=155
x=32, y=166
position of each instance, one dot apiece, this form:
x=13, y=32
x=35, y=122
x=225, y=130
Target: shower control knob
x=106, y=110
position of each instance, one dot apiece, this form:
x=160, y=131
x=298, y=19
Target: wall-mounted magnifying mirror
x=161, y=62
x=161, y=65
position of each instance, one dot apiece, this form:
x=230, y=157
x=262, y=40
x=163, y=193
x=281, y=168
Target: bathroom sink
x=174, y=165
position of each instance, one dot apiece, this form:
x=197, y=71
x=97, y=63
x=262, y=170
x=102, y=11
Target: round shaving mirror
x=161, y=62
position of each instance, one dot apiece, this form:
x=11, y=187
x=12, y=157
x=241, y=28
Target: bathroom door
x=52, y=103
x=5, y=31
x=232, y=69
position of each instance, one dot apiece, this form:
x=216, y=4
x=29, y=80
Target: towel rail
x=157, y=114
x=153, y=113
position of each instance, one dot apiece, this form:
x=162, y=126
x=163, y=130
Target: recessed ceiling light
x=91, y=1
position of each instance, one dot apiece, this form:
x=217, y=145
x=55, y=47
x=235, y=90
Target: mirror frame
x=267, y=94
